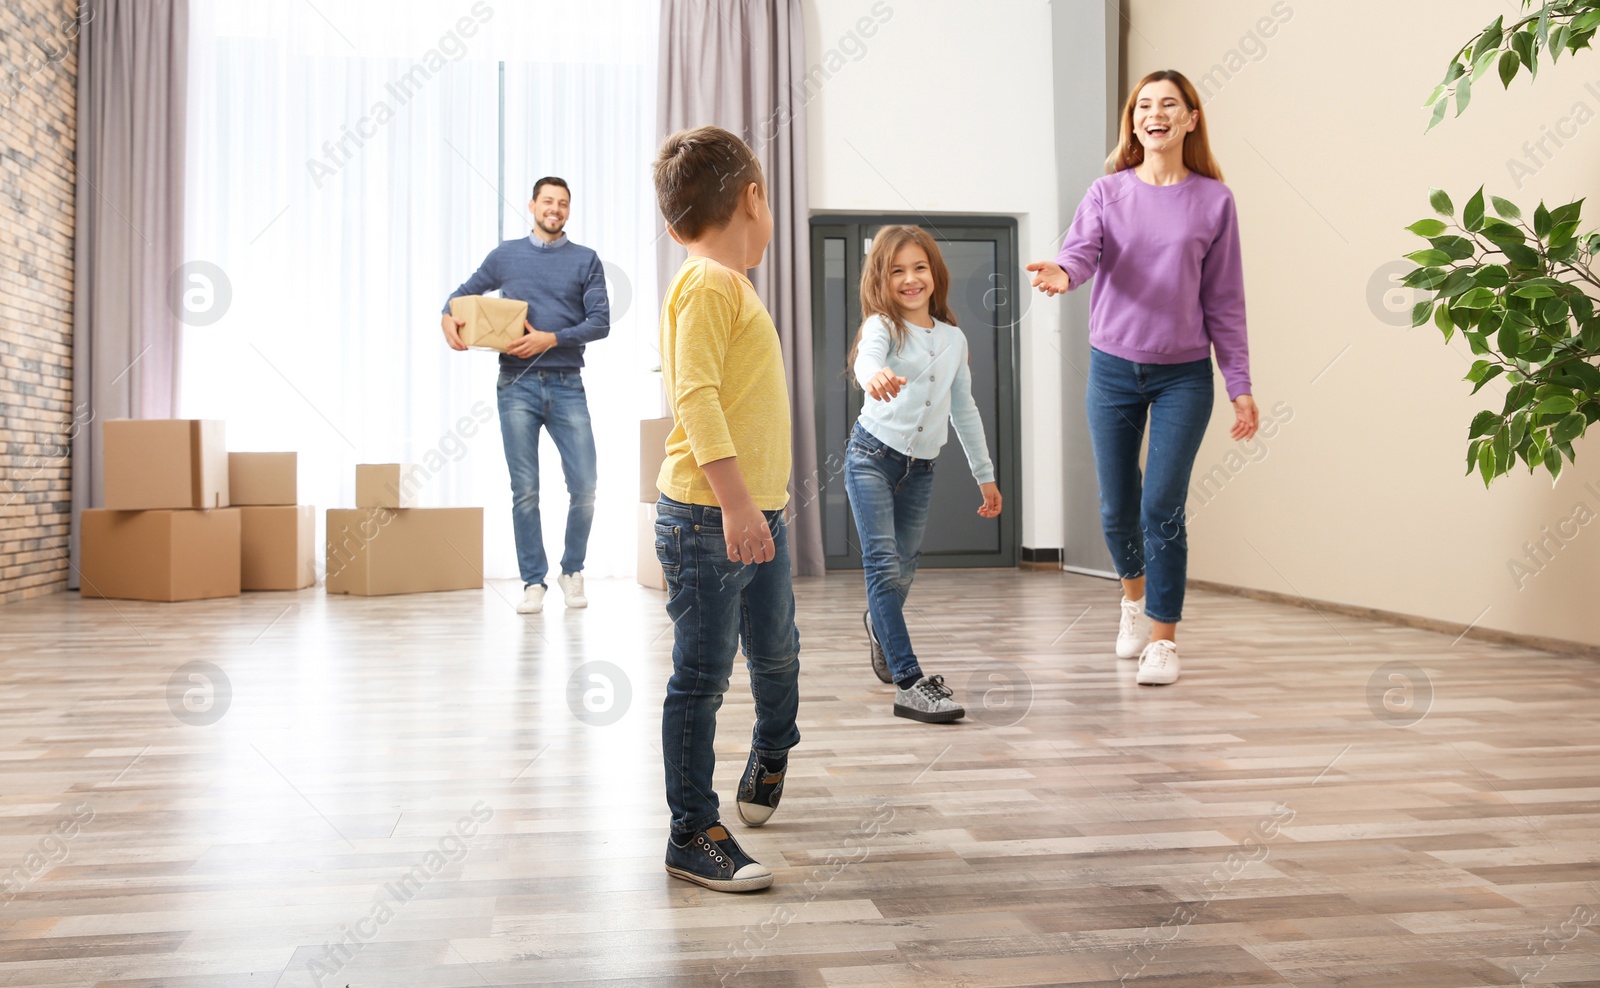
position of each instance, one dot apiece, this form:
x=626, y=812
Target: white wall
x=947, y=108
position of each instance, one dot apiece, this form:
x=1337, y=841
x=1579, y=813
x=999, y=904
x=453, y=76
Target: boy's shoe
x=1158, y=664
x=1133, y=631
x=571, y=585
x=714, y=859
x=532, y=599
x=880, y=662
x=759, y=792
x=928, y=700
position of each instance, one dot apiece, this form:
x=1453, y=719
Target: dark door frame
x=1007, y=437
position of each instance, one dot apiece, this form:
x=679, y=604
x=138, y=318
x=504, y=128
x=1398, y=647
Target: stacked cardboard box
x=167, y=531
x=388, y=545
x=277, y=535
x=652, y=451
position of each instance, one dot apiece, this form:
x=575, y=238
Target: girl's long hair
x=877, y=296
x=1129, y=153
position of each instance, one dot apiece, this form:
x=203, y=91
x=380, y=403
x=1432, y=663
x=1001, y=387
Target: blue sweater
x=564, y=286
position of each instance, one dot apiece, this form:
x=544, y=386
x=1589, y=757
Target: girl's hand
x=1246, y=418
x=1049, y=278
x=991, y=500
x=885, y=385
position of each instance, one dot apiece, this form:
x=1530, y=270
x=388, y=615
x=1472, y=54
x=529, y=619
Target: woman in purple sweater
x=1160, y=235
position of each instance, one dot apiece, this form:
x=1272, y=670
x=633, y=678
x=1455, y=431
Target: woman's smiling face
x=1161, y=118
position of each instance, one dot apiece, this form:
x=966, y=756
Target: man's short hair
x=550, y=180
x=700, y=175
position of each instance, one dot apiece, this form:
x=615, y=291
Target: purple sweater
x=1171, y=283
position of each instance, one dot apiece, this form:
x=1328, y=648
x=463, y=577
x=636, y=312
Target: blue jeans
x=889, y=494
x=1143, y=518
x=530, y=400
x=716, y=605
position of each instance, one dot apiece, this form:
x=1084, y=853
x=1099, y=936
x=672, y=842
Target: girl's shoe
x=1158, y=664
x=928, y=700
x=714, y=859
x=759, y=792
x=880, y=662
x=1133, y=631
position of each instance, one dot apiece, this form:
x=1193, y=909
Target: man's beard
x=547, y=230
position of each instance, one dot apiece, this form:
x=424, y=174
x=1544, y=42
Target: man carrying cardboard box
x=541, y=385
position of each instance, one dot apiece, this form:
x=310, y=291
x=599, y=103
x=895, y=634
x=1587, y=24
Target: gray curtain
x=132, y=77
x=740, y=65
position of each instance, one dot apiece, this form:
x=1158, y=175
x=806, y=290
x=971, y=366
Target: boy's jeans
x=889, y=495
x=530, y=400
x=715, y=605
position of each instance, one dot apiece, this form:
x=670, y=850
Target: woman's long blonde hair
x=877, y=297
x=1129, y=153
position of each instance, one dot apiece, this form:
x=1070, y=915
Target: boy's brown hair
x=700, y=175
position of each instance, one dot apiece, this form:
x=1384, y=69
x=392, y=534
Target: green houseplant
x=1519, y=288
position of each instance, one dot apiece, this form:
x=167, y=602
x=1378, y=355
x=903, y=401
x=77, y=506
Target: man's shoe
x=880, y=662
x=1158, y=666
x=1133, y=630
x=532, y=599
x=714, y=859
x=928, y=700
x=571, y=585
x=759, y=792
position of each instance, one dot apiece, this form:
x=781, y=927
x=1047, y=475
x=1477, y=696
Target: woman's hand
x=1049, y=278
x=991, y=500
x=885, y=385
x=1246, y=418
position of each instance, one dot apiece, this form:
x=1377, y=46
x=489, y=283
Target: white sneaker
x=532, y=600
x=1133, y=631
x=1158, y=664
x=571, y=585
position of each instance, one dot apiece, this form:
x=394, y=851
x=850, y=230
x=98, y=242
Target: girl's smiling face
x=1161, y=118
x=911, y=281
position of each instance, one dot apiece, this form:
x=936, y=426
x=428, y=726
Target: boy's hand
x=991, y=500
x=533, y=344
x=452, y=331
x=748, y=537
x=885, y=385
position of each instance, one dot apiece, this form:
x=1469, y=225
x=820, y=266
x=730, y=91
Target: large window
x=350, y=163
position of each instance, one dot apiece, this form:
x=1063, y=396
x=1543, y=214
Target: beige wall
x=1360, y=497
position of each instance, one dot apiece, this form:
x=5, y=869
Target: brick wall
x=38, y=134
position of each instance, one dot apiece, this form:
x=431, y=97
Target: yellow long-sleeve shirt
x=723, y=368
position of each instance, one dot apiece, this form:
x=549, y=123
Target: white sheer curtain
x=344, y=176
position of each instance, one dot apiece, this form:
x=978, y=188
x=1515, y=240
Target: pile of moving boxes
x=187, y=520
x=652, y=451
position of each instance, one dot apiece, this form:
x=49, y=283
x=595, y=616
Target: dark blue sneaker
x=714, y=859
x=880, y=662
x=759, y=792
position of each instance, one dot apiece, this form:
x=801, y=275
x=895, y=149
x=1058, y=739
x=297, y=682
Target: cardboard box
x=648, y=570
x=164, y=463
x=263, y=478
x=159, y=555
x=277, y=547
x=653, y=435
x=373, y=551
x=384, y=485
x=492, y=323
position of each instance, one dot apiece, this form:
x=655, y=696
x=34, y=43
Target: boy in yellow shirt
x=720, y=532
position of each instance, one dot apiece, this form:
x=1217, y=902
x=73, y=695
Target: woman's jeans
x=531, y=400
x=716, y=605
x=889, y=494
x=1143, y=518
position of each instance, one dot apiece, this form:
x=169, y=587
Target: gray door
x=981, y=255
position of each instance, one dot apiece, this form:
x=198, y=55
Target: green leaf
x=1501, y=232
x=1566, y=214
x=1558, y=42
x=1433, y=97
x=1554, y=314
x=1502, y=451
x=1483, y=423
x=1456, y=282
x=1439, y=109
x=1441, y=202
x=1584, y=22
x=1509, y=340
x=1489, y=38
x=1493, y=276
x=1522, y=44
x=1426, y=279
x=1506, y=207
x=1522, y=256
x=1532, y=291
x=1482, y=64
x=1472, y=455
x=1509, y=64
x=1492, y=373
x=1455, y=248
x=1429, y=257
x=1454, y=72
x=1463, y=94
x=1569, y=428
x=1472, y=213
x=1477, y=298
x=1556, y=405
x=1427, y=228
x=1542, y=222
x=1420, y=312
x=1519, y=428
x=1553, y=464
x=1441, y=318
x=1543, y=31
x=1486, y=462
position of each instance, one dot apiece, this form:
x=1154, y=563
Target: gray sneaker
x=928, y=700
x=880, y=662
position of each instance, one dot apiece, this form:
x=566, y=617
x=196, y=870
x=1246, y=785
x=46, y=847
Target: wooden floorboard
x=1270, y=820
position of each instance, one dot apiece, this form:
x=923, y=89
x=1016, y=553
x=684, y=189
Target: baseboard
x=1560, y=646
x=1039, y=559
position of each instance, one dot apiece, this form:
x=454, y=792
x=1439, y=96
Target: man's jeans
x=530, y=400
x=1143, y=517
x=889, y=495
x=715, y=606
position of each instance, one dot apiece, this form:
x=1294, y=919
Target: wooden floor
x=1287, y=814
